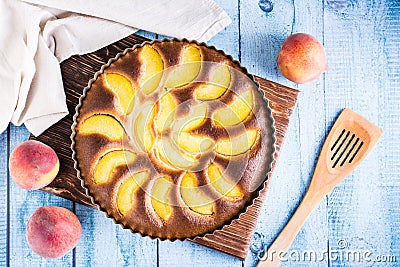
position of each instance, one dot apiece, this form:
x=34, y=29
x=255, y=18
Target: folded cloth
x=36, y=35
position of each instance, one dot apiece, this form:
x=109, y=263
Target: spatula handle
x=277, y=251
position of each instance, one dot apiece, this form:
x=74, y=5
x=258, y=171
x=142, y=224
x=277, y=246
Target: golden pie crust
x=173, y=139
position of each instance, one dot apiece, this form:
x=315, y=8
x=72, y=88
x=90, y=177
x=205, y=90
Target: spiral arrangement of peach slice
x=154, y=125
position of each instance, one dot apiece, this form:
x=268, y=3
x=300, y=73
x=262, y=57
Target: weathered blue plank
x=148, y=35
x=310, y=117
x=185, y=253
x=105, y=244
x=4, y=198
x=136, y=250
x=389, y=121
x=362, y=42
x=228, y=39
x=98, y=246
x=261, y=37
x=361, y=215
x=22, y=204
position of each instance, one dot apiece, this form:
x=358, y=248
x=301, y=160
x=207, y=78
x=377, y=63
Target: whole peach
x=33, y=165
x=301, y=58
x=52, y=231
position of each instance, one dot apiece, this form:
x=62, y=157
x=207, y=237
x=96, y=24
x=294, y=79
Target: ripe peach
x=301, y=58
x=52, y=231
x=33, y=165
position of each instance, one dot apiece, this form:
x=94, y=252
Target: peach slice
x=187, y=70
x=105, y=125
x=123, y=89
x=240, y=144
x=193, y=143
x=196, y=117
x=152, y=69
x=170, y=154
x=161, y=197
x=235, y=112
x=222, y=184
x=194, y=197
x=125, y=195
x=166, y=112
x=161, y=159
x=109, y=162
x=217, y=86
x=143, y=127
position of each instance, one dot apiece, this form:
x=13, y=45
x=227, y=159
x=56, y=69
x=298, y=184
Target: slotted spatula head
x=348, y=143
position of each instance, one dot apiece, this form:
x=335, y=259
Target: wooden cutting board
x=76, y=71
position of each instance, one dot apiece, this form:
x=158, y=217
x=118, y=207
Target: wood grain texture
x=310, y=134
x=358, y=209
x=190, y=254
x=4, y=197
x=292, y=175
x=355, y=78
x=22, y=204
x=362, y=42
x=233, y=239
x=328, y=173
x=389, y=120
x=105, y=244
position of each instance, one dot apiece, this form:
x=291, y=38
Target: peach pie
x=173, y=139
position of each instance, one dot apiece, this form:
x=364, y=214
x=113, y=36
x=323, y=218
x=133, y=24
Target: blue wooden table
x=358, y=224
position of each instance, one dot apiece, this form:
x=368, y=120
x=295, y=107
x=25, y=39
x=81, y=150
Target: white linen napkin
x=36, y=35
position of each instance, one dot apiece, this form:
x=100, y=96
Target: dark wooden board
x=78, y=70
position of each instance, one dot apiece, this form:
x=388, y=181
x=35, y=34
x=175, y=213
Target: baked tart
x=173, y=139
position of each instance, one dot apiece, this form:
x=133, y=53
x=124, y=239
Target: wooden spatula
x=350, y=140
